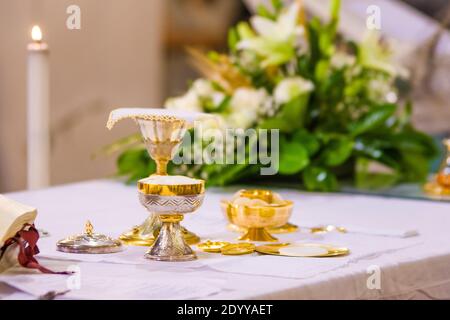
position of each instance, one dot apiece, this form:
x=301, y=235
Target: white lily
x=246, y=106
x=276, y=40
x=187, y=102
x=373, y=54
x=291, y=88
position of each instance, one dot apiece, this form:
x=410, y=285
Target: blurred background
x=132, y=53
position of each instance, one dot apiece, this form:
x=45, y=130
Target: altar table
x=378, y=267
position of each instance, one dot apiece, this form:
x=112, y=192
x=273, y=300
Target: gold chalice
x=167, y=198
x=170, y=202
x=257, y=218
x=162, y=137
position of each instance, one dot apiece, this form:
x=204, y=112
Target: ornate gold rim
x=285, y=204
x=173, y=189
x=166, y=118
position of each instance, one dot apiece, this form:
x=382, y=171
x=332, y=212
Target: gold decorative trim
x=268, y=207
x=172, y=190
x=164, y=118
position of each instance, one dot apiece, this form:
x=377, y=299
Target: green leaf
x=322, y=70
x=293, y=157
x=415, y=167
x=335, y=8
x=245, y=31
x=290, y=117
x=368, y=178
x=308, y=141
x=319, y=179
x=264, y=12
x=375, y=149
x=223, y=105
x=414, y=141
x=277, y=5
x=136, y=164
x=372, y=119
x=233, y=39
x=337, y=151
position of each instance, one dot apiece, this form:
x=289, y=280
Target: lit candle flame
x=36, y=34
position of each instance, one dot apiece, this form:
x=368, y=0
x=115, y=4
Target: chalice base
x=257, y=234
x=170, y=245
x=286, y=228
x=146, y=232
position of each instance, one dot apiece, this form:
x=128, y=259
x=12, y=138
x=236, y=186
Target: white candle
x=38, y=134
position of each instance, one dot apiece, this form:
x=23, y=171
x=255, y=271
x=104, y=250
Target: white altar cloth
x=415, y=267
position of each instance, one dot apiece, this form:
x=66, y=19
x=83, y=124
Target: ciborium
x=270, y=197
x=256, y=213
x=167, y=198
x=439, y=186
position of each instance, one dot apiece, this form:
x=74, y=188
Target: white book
x=13, y=216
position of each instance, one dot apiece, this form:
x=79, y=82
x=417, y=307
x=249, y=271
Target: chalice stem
x=257, y=234
x=170, y=244
x=161, y=167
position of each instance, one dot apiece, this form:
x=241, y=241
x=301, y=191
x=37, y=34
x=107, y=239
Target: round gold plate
x=212, y=246
x=273, y=249
x=238, y=249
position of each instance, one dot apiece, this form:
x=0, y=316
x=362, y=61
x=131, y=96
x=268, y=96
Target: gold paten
x=236, y=249
x=273, y=249
x=258, y=219
x=212, y=246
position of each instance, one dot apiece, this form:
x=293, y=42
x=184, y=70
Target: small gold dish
x=257, y=216
x=328, y=228
x=212, y=246
x=235, y=249
x=274, y=249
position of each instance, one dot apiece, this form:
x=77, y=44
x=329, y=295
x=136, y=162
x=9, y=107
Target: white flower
x=376, y=54
x=202, y=88
x=206, y=93
x=276, y=40
x=187, y=102
x=286, y=28
x=200, y=92
x=246, y=106
x=341, y=59
x=291, y=88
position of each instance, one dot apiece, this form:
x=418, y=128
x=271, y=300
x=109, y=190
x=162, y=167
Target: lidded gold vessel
x=257, y=211
x=439, y=186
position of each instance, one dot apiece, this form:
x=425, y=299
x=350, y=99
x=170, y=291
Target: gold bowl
x=257, y=218
x=169, y=203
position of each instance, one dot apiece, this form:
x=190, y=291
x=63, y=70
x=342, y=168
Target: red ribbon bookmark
x=27, y=239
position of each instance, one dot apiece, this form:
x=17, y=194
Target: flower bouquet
x=336, y=104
